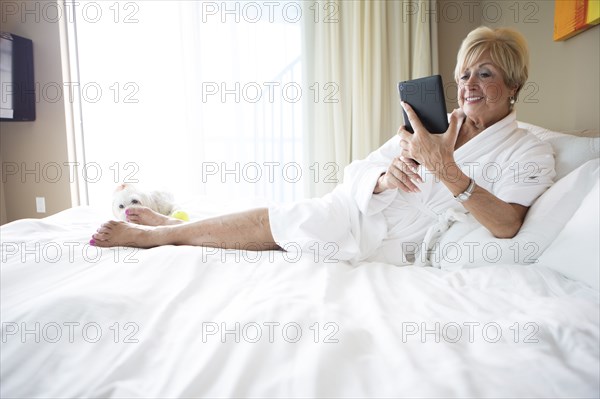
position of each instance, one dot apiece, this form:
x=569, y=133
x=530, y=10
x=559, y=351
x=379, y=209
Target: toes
x=101, y=233
x=110, y=224
x=136, y=214
x=95, y=242
x=99, y=243
x=102, y=236
x=136, y=210
x=105, y=228
x=133, y=219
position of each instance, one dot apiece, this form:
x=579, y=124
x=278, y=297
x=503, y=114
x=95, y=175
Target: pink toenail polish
x=127, y=211
x=92, y=242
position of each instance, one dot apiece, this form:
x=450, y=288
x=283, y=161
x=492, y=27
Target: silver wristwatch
x=462, y=197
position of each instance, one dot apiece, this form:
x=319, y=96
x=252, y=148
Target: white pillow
x=570, y=151
x=468, y=243
x=575, y=251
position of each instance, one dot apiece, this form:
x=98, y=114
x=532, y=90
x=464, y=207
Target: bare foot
x=121, y=234
x=148, y=217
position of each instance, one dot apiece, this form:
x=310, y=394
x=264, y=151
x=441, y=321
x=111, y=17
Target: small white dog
x=128, y=195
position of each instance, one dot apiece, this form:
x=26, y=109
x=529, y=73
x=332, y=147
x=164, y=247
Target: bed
x=520, y=319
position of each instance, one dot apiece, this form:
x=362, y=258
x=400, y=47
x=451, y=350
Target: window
x=199, y=98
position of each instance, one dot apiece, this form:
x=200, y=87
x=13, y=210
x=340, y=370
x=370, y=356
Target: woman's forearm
x=501, y=218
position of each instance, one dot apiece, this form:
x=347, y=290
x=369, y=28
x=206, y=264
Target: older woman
x=483, y=165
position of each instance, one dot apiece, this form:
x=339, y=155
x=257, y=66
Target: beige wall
x=40, y=145
x=563, y=91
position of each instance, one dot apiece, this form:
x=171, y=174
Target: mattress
x=181, y=321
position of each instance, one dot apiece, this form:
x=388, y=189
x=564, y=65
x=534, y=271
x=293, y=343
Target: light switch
x=40, y=204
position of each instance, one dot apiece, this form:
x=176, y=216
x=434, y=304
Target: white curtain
x=355, y=54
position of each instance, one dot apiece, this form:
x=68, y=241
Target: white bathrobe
x=351, y=223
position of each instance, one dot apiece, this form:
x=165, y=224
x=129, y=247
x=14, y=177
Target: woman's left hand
x=433, y=151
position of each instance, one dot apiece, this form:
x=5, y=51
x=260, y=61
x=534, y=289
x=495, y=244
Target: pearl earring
x=512, y=100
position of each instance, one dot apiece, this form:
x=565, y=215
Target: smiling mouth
x=473, y=99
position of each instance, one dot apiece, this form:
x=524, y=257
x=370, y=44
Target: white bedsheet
x=148, y=323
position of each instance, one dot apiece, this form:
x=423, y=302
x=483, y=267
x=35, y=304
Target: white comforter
x=194, y=322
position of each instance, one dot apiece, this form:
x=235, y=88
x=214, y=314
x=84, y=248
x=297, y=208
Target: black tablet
x=426, y=97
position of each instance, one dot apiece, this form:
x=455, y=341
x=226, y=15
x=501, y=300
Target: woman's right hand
x=401, y=174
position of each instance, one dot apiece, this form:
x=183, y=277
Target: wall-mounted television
x=17, y=87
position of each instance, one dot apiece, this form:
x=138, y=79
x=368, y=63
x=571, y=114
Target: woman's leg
x=244, y=230
x=148, y=217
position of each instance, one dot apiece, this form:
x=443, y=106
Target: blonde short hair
x=507, y=49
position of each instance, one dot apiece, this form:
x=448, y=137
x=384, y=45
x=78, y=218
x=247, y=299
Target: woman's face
x=482, y=93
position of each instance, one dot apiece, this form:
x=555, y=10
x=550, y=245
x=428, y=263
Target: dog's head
x=127, y=196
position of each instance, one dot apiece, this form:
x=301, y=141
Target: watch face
x=462, y=197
